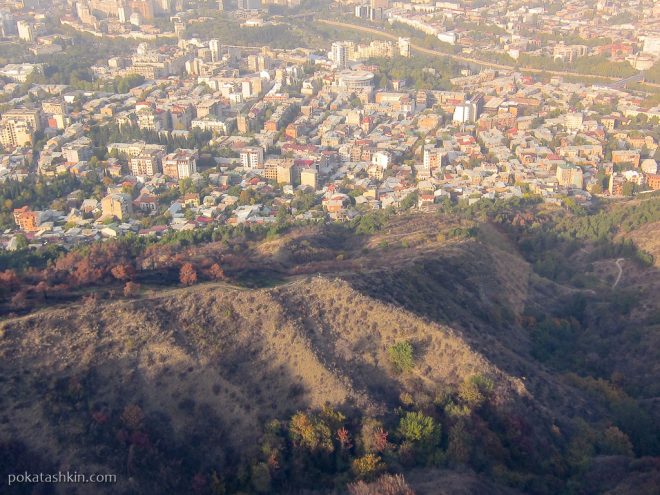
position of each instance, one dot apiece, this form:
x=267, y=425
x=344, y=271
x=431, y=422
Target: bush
x=131, y=289
x=401, y=356
x=385, y=485
x=367, y=466
x=419, y=429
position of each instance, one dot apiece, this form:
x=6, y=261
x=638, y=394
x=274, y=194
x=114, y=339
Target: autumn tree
x=614, y=442
x=216, y=272
x=344, y=438
x=367, y=467
x=131, y=289
x=9, y=282
x=310, y=432
x=123, y=271
x=19, y=300
x=374, y=436
x=188, y=274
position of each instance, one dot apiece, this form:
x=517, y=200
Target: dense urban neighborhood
x=196, y=132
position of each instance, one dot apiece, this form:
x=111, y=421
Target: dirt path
x=618, y=265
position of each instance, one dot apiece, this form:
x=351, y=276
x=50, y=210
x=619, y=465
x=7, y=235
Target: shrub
x=385, y=485
x=401, y=356
x=475, y=390
x=131, y=289
x=367, y=466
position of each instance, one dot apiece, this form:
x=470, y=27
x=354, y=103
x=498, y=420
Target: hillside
x=518, y=382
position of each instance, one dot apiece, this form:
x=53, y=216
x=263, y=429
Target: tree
x=131, y=289
x=311, y=433
x=373, y=436
x=615, y=442
x=123, y=271
x=19, y=301
x=459, y=447
x=216, y=272
x=261, y=481
x=419, y=429
x=401, y=356
x=188, y=274
x=409, y=201
x=367, y=466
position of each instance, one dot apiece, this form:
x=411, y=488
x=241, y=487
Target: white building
x=25, y=31
x=252, y=157
x=214, y=46
x=340, y=53
x=464, y=114
x=404, y=47
x=381, y=159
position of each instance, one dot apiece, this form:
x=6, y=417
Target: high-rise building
x=258, y=63
x=432, y=157
x=341, y=53
x=248, y=4
x=214, y=46
x=404, y=47
x=25, y=31
x=15, y=133
x=144, y=7
x=252, y=157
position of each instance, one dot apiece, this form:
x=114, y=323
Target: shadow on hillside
x=458, y=288
x=154, y=420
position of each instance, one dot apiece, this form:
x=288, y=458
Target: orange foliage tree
x=188, y=274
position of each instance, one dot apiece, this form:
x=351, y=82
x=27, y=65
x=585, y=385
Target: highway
x=483, y=63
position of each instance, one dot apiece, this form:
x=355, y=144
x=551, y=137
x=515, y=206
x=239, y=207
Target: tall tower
x=214, y=46
x=339, y=54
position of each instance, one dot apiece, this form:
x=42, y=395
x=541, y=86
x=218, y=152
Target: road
x=469, y=60
x=618, y=277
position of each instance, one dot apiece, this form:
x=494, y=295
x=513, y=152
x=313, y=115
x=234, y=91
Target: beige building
x=309, y=178
x=285, y=172
x=14, y=134
x=146, y=164
x=116, y=205
x=181, y=164
x=570, y=176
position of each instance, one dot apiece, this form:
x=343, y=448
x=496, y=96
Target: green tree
x=419, y=429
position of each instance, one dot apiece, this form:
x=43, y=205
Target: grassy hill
x=429, y=345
